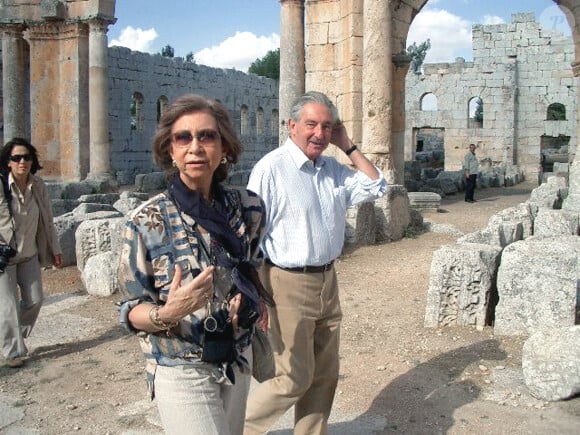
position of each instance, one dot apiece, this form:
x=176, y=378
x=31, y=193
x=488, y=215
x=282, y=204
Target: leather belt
x=304, y=269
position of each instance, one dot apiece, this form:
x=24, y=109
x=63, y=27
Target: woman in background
x=28, y=241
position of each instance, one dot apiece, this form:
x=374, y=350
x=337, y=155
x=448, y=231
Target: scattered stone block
x=100, y=275
x=461, y=284
x=552, y=223
x=537, y=284
x=495, y=235
x=521, y=213
x=425, y=201
x=392, y=214
x=551, y=363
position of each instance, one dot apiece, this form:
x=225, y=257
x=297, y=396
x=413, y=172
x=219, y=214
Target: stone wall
x=155, y=77
x=518, y=70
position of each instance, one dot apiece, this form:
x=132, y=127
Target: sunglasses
x=17, y=158
x=204, y=137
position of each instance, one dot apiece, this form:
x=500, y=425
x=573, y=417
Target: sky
x=234, y=33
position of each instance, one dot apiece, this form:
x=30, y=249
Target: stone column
x=572, y=202
x=376, y=86
x=509, y=116
x=401, y=62
x=292, y=71
x=100, y=149
x=13, y=67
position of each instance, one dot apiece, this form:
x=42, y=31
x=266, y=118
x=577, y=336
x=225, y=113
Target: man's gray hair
x=313, y=97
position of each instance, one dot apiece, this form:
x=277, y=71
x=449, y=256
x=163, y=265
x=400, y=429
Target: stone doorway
x=430, y=147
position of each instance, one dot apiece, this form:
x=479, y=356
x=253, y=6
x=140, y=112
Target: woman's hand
x=184, y=300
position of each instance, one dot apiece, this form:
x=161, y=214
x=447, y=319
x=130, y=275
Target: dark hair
x=6, y=152
x=192, y=103
x=313, y=97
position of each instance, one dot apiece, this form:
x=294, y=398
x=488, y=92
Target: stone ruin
x=521, y=276
x=521, y=76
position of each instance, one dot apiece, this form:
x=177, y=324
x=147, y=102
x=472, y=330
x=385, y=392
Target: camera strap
x=9, y=198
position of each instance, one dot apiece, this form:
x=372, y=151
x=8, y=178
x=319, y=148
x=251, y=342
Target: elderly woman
x=187, y=275
x=28, y=240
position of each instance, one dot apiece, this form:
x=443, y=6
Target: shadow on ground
x=422, y=401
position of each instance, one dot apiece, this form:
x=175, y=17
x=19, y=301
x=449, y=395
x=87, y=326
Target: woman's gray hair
x=313, y=97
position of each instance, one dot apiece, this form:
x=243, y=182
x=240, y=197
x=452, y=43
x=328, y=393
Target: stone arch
x=428, y=102
x=475, y=112
x=556, y=112
x=244, y=120
x=137, y=111
x=162, y=104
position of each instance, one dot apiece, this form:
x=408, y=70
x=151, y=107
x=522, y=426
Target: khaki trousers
x=20, y=302
x=190, y=401
x=305, y=335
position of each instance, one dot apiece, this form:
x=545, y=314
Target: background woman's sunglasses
x=17, y=158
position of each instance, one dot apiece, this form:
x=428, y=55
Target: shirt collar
x=12, y=182
x=298, y=156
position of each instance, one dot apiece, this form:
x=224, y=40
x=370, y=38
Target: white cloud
x=136, y=39
x=492, y=19
x=449, y=34
x=238, y=51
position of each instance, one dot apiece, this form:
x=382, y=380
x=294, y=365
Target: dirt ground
x=401, y=377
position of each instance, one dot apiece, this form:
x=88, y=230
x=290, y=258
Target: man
x=471, y=169
x=306, y=196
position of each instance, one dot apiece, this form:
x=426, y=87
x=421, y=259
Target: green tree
x=418, y=53
x=267, y=66
x=556, y=112
x=189, y=57
x=478, y=115
x=167, y=51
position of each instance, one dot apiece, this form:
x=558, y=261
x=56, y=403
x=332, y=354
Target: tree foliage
x=189, y=57
x=418, y=53
x=267, y=66
x=556, y=112
x=478, y=115
x=167, y=51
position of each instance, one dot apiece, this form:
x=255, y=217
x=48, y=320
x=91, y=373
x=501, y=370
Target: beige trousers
x=21, y=298
x=305, y=335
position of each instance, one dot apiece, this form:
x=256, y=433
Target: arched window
x=429, y=102
x=162, y=104
x=137, y=115
x=475, y=112
x=275, y=120
x=260, y=121
x=245, y=120
x=556, y=112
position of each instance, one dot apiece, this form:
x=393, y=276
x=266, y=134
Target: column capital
x=100, y=24
x=12, y=30
x=56, y=31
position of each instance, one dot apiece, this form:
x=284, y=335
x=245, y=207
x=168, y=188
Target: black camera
x=6, y=253
x=218, y=338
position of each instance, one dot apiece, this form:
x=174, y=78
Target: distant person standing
x=470, y=169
